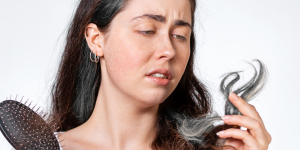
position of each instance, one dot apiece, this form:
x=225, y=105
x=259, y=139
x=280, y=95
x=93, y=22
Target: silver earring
x=96, y=58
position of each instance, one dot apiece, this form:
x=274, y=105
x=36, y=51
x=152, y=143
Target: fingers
x=255, y=127
x=250, y=120
x=245, y=108
x=238, y=144
x=242, y=135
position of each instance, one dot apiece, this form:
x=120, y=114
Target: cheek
x=124, y=57
x=183, y=55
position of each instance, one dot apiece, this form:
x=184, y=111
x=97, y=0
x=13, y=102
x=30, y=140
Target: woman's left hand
x=255, y=137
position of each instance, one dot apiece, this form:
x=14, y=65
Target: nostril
x=168, y=53
x=166, y=49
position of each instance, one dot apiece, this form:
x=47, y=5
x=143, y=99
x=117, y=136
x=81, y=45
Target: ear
x=94, y=39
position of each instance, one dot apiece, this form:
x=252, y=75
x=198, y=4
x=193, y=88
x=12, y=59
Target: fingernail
x=220, y=132
x=234, y=96
x=226, y=117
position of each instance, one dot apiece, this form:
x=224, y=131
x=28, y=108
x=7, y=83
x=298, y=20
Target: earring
x=96, y=58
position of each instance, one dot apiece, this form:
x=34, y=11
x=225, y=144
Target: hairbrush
x=25, y=128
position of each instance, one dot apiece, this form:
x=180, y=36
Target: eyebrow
x=162, y=19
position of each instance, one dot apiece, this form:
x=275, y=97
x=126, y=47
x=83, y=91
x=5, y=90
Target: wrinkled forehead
x=170, y=9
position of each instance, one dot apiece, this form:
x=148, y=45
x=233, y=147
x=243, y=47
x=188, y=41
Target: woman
x=125, y=64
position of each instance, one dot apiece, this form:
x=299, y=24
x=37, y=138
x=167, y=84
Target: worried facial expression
x=147, y=49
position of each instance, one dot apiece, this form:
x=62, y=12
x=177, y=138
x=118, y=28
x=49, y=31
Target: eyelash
x=182, y=38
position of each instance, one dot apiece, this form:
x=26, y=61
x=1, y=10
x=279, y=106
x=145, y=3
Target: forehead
x=170, y=9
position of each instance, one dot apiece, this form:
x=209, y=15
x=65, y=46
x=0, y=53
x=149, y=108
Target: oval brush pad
x=24, y=128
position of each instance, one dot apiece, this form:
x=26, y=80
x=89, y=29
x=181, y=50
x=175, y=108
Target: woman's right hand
x=255, y=138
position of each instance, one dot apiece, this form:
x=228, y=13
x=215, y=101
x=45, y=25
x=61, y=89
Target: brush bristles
x=25, y=128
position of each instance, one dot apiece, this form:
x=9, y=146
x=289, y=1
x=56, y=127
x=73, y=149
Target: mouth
x=160, y=76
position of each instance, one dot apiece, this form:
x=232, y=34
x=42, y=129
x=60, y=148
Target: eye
x=147, y=32
x=179, y=37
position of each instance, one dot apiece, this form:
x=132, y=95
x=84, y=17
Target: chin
x=152, y=100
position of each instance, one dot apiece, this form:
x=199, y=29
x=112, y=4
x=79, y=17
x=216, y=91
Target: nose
x=165, y=49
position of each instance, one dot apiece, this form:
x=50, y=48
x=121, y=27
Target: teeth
x=158, y=75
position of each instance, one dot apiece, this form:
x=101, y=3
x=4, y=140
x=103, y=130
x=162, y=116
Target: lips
x=161, y=71
x=160, y=81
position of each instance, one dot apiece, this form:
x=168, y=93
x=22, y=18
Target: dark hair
x=198, y=130
x=76, y=86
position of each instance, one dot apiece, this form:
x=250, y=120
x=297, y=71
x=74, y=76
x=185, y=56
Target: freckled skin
x=129, y=55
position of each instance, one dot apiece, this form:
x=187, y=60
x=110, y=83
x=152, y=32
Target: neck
x=120, y=121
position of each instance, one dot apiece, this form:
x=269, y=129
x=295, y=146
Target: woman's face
x=148, y=37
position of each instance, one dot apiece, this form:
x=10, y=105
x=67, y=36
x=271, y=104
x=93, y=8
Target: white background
x=229, y=33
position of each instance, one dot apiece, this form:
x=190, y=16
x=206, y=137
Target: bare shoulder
x=70, y=140
x=76, y=139
x=64, y=140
